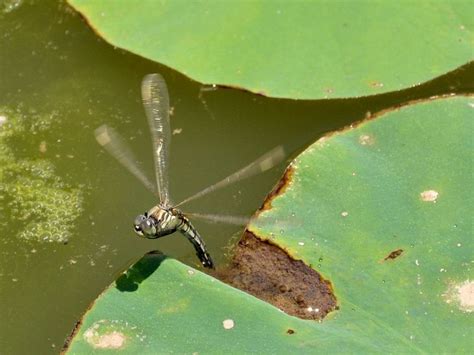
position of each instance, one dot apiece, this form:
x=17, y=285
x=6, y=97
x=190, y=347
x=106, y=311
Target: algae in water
x=35, y=203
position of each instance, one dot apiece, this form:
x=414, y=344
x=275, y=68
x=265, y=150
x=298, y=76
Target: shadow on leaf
x=139, y=272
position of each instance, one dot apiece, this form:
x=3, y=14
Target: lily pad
x=384, y=216
x=302, y=50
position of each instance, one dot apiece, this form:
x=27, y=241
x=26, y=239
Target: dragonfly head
x=145, y=226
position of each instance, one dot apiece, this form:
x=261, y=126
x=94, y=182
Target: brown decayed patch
x=71, y=336
x=267, y=272
x=393, y=255
x=290, y=331
x=75, y=330
x=279, y=188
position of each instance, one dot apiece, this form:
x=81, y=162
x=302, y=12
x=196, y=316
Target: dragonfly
x=165, y=217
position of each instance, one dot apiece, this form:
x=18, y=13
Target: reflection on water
x=58, y=83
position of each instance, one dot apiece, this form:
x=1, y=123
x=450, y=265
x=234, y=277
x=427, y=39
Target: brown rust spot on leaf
x=290, y=331
x=279, y=188
x=267, y=272
x=71, y=336
x=394, y=254
x=75, y=330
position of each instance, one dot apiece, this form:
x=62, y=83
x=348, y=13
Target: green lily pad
x=302, y=50
x=381, y=210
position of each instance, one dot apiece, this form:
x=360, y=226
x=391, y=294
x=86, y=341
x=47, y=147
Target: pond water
x=67, y=207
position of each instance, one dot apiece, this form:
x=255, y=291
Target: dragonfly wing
x=156, y=103
x=217, y=218
x=116, y=146
x=264, y=163
x=260, y=222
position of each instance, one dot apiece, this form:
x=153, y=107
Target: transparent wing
x=116, y=146
x=216, y=218
x=156, y=102
x=264, y=163
x=281, y=223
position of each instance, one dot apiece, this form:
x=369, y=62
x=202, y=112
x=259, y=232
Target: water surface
x=58, y=83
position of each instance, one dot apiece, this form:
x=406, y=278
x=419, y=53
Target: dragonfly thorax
x=156, y=223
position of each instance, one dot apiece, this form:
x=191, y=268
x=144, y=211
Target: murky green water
x=66, y=207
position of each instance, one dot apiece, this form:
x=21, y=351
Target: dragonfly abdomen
x=188, y=230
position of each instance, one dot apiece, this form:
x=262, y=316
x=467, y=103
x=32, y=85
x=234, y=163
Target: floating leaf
x=385, y=218
x=302, y=50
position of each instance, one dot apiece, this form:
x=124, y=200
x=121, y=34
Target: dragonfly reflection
x=165, y=218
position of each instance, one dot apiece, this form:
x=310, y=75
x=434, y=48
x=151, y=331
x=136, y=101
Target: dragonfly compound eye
x=148, y=228
x=137, y=224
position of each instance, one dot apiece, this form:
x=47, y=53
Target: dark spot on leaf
x=269, y=273
x=394, y=254
x=290, y=331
